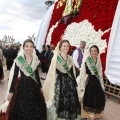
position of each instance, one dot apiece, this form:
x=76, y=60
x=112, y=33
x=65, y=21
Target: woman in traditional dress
x=1, y=66
x=60, y=86
x=91, y=83
x=25, y=95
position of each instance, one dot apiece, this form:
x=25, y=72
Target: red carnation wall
x=99, y=12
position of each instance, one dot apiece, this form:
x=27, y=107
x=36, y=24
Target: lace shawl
x=49, y=84
x=34, y=65
x=61, y=68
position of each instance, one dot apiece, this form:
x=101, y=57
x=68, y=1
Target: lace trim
x=91, y=110
x=34, y=64
x=69, y=64
x=63, y=100
x=89, y=66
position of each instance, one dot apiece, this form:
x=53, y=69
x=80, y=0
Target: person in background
x=42, y=61
x=37, y=53
x=91, y=83
x=72, y=50
x=11, y=54
x=48, y=51
x=60, y=85
x=52, y=47
x=4, y=51
x=1, y=66
x=78, y=56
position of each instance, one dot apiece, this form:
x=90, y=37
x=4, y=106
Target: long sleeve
x=16, y=71
x=38, y=78
x=75, y=57
x=73, y=76
x=87, y=70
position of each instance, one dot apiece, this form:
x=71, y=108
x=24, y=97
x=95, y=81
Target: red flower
x=99, y=12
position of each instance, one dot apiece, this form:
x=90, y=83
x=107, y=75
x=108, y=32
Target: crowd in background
x=9, y=53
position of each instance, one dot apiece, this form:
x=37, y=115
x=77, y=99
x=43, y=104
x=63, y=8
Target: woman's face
x=94, y=52
x=28, y=48
x=65, y=47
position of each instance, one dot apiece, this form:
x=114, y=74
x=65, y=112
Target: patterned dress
x=94, y=98
x=66, y=104
x=27, y=102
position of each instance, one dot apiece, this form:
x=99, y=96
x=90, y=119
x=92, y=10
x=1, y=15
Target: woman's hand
x=9, y=97
x=79, y=68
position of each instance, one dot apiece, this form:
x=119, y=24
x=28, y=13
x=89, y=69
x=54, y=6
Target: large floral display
x=87, y=20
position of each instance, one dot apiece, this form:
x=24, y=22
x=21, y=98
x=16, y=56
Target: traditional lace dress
x=27, y=102
x=94, y=98
x=65, y=105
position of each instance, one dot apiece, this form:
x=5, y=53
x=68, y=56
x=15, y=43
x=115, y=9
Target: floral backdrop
x=98, y=13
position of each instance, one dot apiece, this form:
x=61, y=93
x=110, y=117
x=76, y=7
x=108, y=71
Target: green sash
x=92, y=64
x=60, y=60
x=27, y=67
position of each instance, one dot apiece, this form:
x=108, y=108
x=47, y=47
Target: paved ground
x=112, y=109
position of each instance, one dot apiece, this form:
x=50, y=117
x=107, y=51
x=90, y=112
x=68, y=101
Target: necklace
x=63, y=58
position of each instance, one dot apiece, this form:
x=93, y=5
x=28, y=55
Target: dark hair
x=82, y=42
x=48, y=46
x=63, y=41
x=94, y=46
x=43, y=46
x=28, y=40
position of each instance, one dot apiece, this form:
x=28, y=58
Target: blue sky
x=20, y=18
